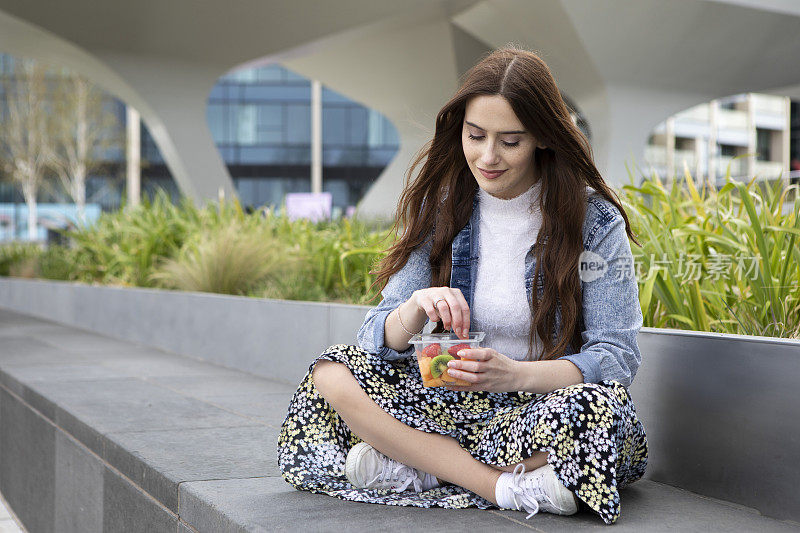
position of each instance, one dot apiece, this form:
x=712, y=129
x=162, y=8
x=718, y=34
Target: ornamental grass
x=721, y=260
x=713, y=260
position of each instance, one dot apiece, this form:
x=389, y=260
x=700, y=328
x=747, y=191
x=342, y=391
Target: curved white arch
x=177, y=130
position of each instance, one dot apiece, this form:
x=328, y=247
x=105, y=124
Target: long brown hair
x=439, y=199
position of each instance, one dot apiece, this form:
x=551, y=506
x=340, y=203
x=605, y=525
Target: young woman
x=507, y=194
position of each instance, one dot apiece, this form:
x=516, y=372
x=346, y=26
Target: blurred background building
x=748, y=134
x=261, y=122
x=236, y=113
x=260, y=119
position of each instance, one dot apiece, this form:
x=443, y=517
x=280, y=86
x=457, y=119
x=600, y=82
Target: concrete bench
x=99, y=434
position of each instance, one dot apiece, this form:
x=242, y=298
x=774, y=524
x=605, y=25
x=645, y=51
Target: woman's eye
x=480, y=137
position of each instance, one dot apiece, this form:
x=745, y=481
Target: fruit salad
x=435, y=350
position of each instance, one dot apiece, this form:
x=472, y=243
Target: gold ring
x=439, y=300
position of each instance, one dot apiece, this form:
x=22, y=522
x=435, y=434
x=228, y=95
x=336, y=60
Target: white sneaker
x=535, y=491
x=367, y=468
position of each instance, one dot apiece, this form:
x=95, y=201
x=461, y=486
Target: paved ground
x=215, y=451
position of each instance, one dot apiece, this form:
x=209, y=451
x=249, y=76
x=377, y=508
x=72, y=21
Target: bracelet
x=403, y=326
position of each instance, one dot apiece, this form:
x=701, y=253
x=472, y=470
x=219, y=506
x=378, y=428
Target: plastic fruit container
x=435, y=350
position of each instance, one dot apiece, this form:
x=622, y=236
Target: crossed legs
x=410, y=446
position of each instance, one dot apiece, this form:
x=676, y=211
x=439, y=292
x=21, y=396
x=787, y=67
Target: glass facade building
x=260, y=120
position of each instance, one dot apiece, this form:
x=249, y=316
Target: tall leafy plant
x=121, y=247
x=722, y=260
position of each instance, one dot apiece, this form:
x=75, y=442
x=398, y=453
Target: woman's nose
x=489, y=157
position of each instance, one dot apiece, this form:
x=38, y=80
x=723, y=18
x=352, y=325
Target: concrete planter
x=720, y=411
x=272, y=338
x=721, y=415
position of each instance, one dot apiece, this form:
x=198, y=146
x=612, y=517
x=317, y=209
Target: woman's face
x=493, y=138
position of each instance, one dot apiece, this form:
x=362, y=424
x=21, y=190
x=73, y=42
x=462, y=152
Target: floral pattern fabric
x=593, y=437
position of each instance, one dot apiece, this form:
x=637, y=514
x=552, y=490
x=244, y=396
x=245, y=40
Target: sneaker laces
x=526, y=491
x=395, y=471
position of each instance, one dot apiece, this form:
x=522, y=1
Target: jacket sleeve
x=611, y=311
x=415, y=274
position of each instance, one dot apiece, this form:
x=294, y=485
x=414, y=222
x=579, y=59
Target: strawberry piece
x=432, y=350
x=453, y=350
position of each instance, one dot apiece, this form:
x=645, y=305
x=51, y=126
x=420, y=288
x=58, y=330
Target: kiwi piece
x=439, y=364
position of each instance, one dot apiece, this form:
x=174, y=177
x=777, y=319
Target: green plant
x=121, y=247
x=327, y=260
x=687, y=231
x=19, y=259
x=334, y=257
x=56, y=262
x=722, y=260
x=228, y=260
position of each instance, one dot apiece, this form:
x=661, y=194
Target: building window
x=270, y=123
x=246, y=124
x=763, y=142
x=298, y=124
x=261, y=121
x=243, y=76
x=357, y=126
x=334, y=126
x=218, y=123
x=271, y=73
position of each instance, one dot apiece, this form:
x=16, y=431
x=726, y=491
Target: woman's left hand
x=486, y=369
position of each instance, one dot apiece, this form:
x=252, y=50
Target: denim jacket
x=612, y=316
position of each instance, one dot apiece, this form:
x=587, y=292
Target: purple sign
x=310, y=205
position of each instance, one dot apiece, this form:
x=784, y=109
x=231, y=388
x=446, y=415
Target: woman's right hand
x=445, y=304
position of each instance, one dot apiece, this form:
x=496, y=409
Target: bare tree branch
x=82, y=136
x=24, y=131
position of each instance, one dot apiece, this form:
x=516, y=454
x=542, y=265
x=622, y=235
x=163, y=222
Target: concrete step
x=99, y=434
x=269, y=504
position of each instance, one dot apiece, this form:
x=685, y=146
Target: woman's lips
x=491, y=175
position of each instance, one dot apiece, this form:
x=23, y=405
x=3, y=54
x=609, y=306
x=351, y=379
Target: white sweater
x=508, y=228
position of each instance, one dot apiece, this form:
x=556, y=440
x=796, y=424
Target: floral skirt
x=591, y=433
